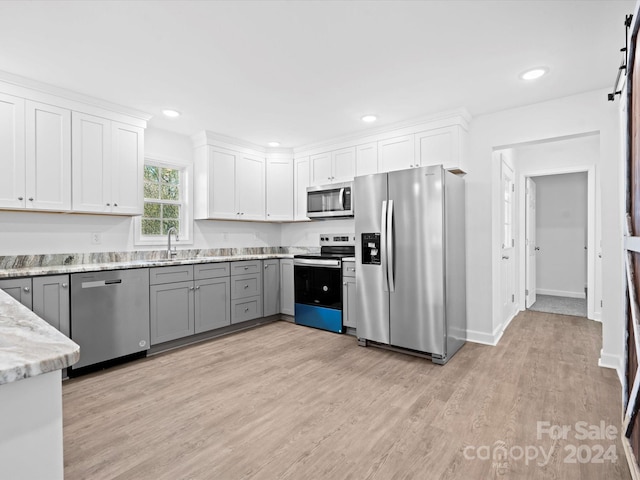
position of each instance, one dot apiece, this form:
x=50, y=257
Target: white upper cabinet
x=35, y=155
x=302, y=176
x=279, y=188
x=442, y=146
x=333, y=167
x=108, y=159
x=367, y=159
x=229, y=185
x=250, y=187
x=12, y=157
x=396, y=153
x=48, y=153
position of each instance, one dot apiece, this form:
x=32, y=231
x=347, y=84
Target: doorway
x=556, y=226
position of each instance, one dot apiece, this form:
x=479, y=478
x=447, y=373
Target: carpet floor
x=561, y=305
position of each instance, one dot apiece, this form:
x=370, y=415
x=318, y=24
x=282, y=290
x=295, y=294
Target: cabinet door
x=280, y=189
x=20, y=289
x=212, y=304
x=250, y=187
x=367, y=159
x=91, y=147
x=222, y=184
x=321, y=172
x=396, y=153
x=344, y=164
x=301, y=171
x=437, y=147
x=172, y=311
x=127, y=165
x=48, y=157
x=349, y=302
x=51, y=300
x=271, y=290
x=12, y=157
x=286, y=287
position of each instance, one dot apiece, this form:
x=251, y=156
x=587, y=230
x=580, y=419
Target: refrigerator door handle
x=383, y=246
x=390, y=247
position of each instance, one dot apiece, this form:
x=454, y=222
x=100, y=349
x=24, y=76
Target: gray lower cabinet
x=212, y=300
x=349, y=294
x=246, y=290
x=172, y=311
x=20, y=289
x=51, y=301
x=47, y=296
x=199, y=303
x=287, y=291
x=271, y=289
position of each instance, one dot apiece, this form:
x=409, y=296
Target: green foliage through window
x=162, y=200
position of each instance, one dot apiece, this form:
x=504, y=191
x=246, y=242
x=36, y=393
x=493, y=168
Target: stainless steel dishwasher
x=109, y=314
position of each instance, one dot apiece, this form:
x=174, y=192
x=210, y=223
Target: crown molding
x=23, y=85
x=208, y=137
x=459, y=116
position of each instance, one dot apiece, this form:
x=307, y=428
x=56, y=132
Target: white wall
x=561, y=234
x=574, y=115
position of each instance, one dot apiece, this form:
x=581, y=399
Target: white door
x=508, y=244
x=126, y=169
x=280, y=189
x=12, y=179
x=396, y=153
x=91, y=147
x=250, y=187
x=321, y=173
x=367, y=159
x=344, y=165
x=530, y=242
x=48, y=157
x=301, y=173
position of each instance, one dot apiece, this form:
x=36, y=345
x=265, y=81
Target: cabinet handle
x=20, y=198
x=344, y=283
x=246, y=286
x=246, y=268
x=64, y=285
x=27, y=289
x=191, y=288
x=266, y=266
x=246, y=309
x=31, y=199
x=198, y=287
x=241, y=213
x=115, y=204
x=108, y=204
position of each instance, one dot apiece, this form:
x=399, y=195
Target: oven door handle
x=326, y=263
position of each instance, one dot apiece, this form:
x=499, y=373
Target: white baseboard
x=489, y=338
x=608, y=360
x=560, y=293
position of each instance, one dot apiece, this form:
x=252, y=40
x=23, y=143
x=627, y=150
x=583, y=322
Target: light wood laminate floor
x=290, y=402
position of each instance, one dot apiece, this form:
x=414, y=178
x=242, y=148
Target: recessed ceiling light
x=274, y=144
x=369, y=118
x=170, y=113
x=534, y=73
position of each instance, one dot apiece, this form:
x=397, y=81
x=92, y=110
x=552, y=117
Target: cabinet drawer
x=245, y=266
x=348, y=269
x=243, y=286
x=178, y=273
x=211, y=270
x=246, y=309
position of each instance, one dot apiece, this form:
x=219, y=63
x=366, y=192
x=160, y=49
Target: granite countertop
x=31, y=271
x=29, y=346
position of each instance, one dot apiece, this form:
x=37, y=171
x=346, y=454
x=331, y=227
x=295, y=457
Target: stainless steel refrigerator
x=410, y=261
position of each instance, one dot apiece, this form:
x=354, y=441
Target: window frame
x=186, y=210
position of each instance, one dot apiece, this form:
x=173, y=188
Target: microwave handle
x=341, y=198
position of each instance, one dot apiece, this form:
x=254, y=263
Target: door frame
x=593, y=313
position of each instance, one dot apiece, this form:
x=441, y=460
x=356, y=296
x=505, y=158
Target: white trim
x=632, y=243
x=490, y=338
x=591, y=229
x=559, y=293
x=186, y=220
x=608, y=360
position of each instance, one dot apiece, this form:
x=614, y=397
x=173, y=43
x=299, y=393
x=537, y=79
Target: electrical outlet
x=96, y=238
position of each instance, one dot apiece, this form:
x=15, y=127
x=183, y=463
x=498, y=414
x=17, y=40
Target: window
x=165, y=202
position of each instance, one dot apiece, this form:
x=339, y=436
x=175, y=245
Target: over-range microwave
x=330, y=201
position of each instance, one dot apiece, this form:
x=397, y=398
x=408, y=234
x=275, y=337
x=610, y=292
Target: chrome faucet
x=171, y=252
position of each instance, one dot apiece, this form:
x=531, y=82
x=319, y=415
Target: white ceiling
x=305, y=71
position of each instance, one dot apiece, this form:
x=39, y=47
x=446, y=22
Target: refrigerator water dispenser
x=371, y=249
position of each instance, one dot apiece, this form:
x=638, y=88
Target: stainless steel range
x=318, y=282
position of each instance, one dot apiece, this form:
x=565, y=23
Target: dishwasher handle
x=101, y=283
